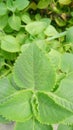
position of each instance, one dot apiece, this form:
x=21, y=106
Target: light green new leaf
x=51, y=31
x=43, y=4
x=3, y=21
x=6, y=89
x=17, y=107
x=32, y=124
x=65, y=2
x=9, y=44
x=33, y=70
x=36, y=27
x=14, y=22
x=20, y=37
x=21, y=4
x=47, y=111
x=3, y=9
x=26, y=18
x=64, y=127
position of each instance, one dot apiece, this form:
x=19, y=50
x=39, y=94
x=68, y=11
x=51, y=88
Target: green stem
x=56, y=36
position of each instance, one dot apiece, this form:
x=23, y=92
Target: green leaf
x=21, y=4
x=3, y=120
x=67, y=63
x=65, y=90
x=32, y=124
x=6, y=89
x=65, y=2
x=56, y=36
x=26, y=18
x=36, y=27
x=9, y=55
x=65, y=127
x=51, y=31
x=8, y=29
x=68, y=121
x=3, y=9
x=20, y=37
x=9, y=44
x=43, y=4
x=10, y=5
x=48, y=111
x=63, y=95
x=3, y=21
x=14, y=22
x=17, y=107
x=10, y=76
x=69, y=35
x=1, y=62
x=33, y=70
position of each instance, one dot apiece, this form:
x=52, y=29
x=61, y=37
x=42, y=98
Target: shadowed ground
x=6, y=126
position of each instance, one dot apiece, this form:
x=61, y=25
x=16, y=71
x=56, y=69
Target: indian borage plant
x=18, y=18
x=17, y=28
x=28, y=97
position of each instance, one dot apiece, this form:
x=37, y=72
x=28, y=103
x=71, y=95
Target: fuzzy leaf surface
x=17, y=107
x=6, y=89
x=36, y=27
x=21, y=4
x=32, y=124
x=33, y=70
x=48, y=111
x=65, y=127
x=10, y=44
x=14, y=22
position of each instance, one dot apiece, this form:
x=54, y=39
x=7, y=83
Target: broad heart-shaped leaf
x=64, y=127
x=14, y=22
x=17, y=107
x=32, y=124
x=36, y=27
x=9, y=44
x=3, y=21
x=6, y=89
x=47, y=111
x=21, y=4
x=3, y=9
x=43, y=4
x=69, y=35
x=33, y=70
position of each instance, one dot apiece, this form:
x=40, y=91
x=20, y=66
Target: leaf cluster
x=36, y=63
